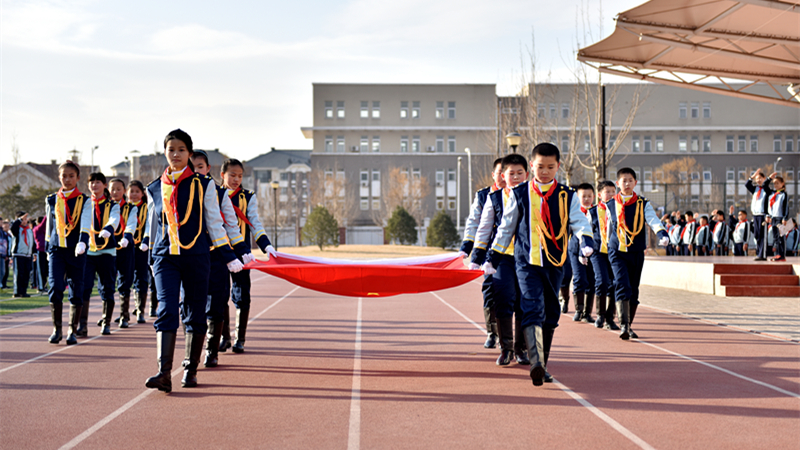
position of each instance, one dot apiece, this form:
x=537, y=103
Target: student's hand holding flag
x=235, y=266
x=488, y=269
x=473, y=266
x=247, y=257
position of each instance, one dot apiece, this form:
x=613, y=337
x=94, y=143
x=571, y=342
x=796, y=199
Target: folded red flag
x=375, y=278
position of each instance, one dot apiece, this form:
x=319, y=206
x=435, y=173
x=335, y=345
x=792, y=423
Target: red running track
x=322, y=371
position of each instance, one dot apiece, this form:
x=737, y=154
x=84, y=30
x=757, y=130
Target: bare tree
x=328, y=187
x=680, y=178
x=14, y=148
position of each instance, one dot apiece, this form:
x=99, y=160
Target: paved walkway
x=779, y=316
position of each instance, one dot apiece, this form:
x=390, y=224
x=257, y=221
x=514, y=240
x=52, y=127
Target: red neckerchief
x=584, y=210
x=239, y=212
x=75, y=192
x=25, y=234
x=173, y=198
x=495, y=187
x=686, y=227
x=97, y=214
x=759, y=190
x=548, y=223
x=620, y=201
x=773, y=197
x=717, y=227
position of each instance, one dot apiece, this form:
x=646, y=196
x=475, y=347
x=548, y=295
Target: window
x=789, y=144
x=706, y=144
x=564, y=144
x=682, y=143
x=342, y=184
x=695, y=144
x=328, y=109
x=586, y=144
x=376, y=190
x=754, y=144
x=339, y=144
x=451, y=144
x=540, y=111
x=611, y=142
x=364, y=144
x=440, y=189
x=647, y=177
x=451, y=110
x=376, y=143
x=706, y=176
x=648, y=144
x=328, y=144
x=729, y=144
x=682, y=110
x=439, y=144
x=376, y=110
x=742, y=144
x=340, y=109
x=364, y=189
x=730, y=175
x=776, y=143
x=451, y=189
x=403, y=144
x=415, y=110
x=404, y=110
x=706, y=110
x=364, y=110
x=415, y=146
x=695, y=110
x=636, y=144
x=440, y=110
x=660, y=144
x=564, y=110
x=552, y=110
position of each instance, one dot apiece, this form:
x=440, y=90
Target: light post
x=275, y=185
x=458, y=195
x=469, y=169
x=513, y=140
x=775, y=166
x=93, y=149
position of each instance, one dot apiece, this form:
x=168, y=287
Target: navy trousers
x=778, y=241
x=219, y=288
x=141, y=271
x=539, y=287
x=125, y=265
x=105, y=268
x=738, y=249
x=66, y=269
x=506, y=289
x=488, y=293
x=169, y=272
x=22, y=274
x=760, y=236
x=602, y=274
x=566, y=271
x=582, y=276
x=240, y=293
x=627, y=267
x=41, y=263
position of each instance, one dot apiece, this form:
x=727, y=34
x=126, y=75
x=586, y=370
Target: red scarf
x=25, y=233
x=75, y=192
x=97, y=214
x=548, y=223
x=759, y=190
x=773, y=197
x=173, y=198
x=717, y=227
x=584, y=210
x=686, y=227
x=239, y=212
x=623, y=204
x=495, y=187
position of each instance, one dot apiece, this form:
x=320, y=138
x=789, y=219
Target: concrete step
x=760, y=291
x=759, y=280
x=754, y=269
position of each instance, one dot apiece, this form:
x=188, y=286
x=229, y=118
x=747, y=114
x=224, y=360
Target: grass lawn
x=10, y=305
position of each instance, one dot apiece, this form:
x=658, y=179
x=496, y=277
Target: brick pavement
x=778, y=316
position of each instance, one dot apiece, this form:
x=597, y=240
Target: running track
x=321, y=371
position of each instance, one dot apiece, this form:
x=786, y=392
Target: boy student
x=674, y=237
x=688, y=234
x=603, y=276
x=758, y=185
x=777, y=212
x=720, y=235
x=514, y=169
x=583, y=277
x=627, y=214
x=792, y=241
x=702, y=237
x=535, y=221
x=741, y=232
x=469, y=241
x=23, y=247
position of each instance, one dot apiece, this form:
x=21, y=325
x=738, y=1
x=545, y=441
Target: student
x=39, y=233
x=101, y=257
x=4, y=241
x=468, y=243
x=583, y=277
x=603, y=275
x=627, y=214
x=506, y=289
x=23, y=247
x=688, y=234
x=675, y=237
x=184, y=223
x=702, y=237
x=245, y=204
x=536, y=222
x=720, y=235
x=219, y=282
x=741, y=232
x=778, y=210
x=124, y=261
x=69, y=218
x=141, y=259
x=758, y=185
x=564, y=295
x=793, y=241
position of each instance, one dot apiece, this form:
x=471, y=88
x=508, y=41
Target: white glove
x=583, y=260
x=473, y=266
x=80, y=249
x=271, y=251
x=462, y=255
x=587, y=251
x=123, y=243
x=488, y=269
x=105, y=234
x=247, y=257
x=663, y=242
x=235, y=266
x=143, y=247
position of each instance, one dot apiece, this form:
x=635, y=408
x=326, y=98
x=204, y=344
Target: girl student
x=184, y=223
x=101, y=258
x=141, y=268
x=246, y=206
x=68, y=214
x=128, y=214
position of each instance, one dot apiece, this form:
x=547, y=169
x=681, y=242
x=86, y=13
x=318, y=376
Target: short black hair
x=743, y=211
x=721, y=213
x=546, y=149
x=69, y=165
x=497, y=162
x=181, y=136
x=138, y=184
x=514, y=159
x=688, y=213
x=606, y=183
x=624, y=171
x=231, y=162
x=704, y=217
x=585, y=187
x=672, y=220
x=20, y=214
x=201, y=154
x=98, y=176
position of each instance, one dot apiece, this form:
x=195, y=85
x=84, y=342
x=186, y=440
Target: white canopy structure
x=708, y=45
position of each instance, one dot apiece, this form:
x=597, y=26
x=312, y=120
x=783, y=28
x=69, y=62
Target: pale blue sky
x=237, y=75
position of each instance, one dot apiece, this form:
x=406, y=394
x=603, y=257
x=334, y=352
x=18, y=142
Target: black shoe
x=600, y=321
x=162, y=382
x=117, y=319
x=82, y=332
x=577, y=317
x=106, y=330
x=224, y=344
x=212, y=359
x=194, y=348
x=522, y=358
x=759, y=259
x=212, y=343
x=491, y=341
x=586, y=318
x=625, y=333
x=633, y=334
x=611, y=325
x=100, y=322
x=55, y=338
x=165, y=342
x=140, y=318
x=123, y=323
x=505, y=357
x=547, y=377
x=153, y=313
x=238, y=347
x=564, y=307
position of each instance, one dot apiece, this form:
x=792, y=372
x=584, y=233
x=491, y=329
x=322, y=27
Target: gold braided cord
x=562, y=235
x=243, y=208
x=94, y=233
x=124, y=212
x=626, y=236
x=75, y=213
x=188, y=213
x=140, y=225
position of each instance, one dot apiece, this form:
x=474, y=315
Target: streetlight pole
x=469, y=169
x=775, y=166
x=513, y=140
x=275, y=185
x=93, y=149
x=458, y=195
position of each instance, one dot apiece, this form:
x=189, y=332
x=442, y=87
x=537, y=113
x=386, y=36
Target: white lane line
x=105, y=420
x=354, y=433
x=24, y=324
x=594, y=410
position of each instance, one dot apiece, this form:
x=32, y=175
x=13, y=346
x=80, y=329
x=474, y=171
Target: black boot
x=56, y=311
x=241, y=329
x=153, y=305
x=520, y=347
x=74, y=317
x=623, y=312
x=140, y=299
x=535, y=341
x=491, y=328
x=587, y=308
x=601, y=311
x=212, y=344
x=610, y=308
x=564, y=300
x=124, y=310
x=505, y=332
x=547, y=335
x=108, y=311
x=225, y=340
x=634, y=306
x=580, y=298
x=83, y=323
x=194, y=348
x=165, y=341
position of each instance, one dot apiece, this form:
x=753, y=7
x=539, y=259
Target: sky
x=237, y=75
